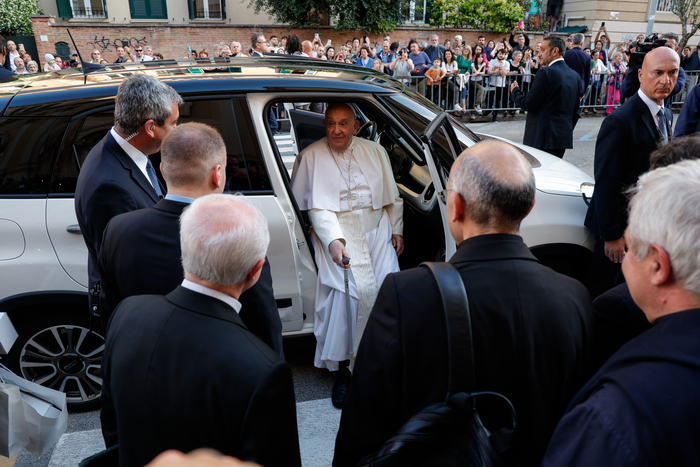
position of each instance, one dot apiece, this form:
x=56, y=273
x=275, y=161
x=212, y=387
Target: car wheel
x=61, y=355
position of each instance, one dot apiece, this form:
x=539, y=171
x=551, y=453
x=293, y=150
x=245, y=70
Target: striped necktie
x=154, y=180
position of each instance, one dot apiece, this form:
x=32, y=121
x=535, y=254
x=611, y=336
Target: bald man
x=520, y=312
x=626, y=139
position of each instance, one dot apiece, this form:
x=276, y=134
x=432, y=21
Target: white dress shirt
x=653, y=106
x=139, y=158
x=227, y=299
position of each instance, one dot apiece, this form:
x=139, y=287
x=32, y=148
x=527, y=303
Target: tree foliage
x=14, y=17
x=492, y=15
x=360, y=15
x=689, y=13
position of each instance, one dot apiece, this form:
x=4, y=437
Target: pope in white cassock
x=346, y=185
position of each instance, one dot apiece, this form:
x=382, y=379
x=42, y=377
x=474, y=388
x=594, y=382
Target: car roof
x=46, y=94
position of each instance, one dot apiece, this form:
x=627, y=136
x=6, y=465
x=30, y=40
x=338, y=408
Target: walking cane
x=346, y=261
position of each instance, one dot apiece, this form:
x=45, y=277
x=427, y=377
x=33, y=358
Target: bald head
x=659, y=73
x=496, y=183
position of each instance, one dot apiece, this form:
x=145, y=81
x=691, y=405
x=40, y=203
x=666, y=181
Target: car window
x=245, y=169
x=27, y=147
x=415, y=115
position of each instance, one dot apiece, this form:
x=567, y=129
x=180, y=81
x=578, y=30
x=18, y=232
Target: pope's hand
x=338, y=252
x=397, y=242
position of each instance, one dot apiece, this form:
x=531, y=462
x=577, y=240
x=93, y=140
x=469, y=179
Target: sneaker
x=478, y=110
x=517, y=112
x=457, y=108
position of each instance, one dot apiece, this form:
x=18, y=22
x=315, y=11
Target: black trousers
x=604, y=274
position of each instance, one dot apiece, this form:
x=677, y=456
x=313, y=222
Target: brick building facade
x=172, y=40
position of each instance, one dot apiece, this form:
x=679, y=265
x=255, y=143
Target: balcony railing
x=94, y=12
x=208, y=14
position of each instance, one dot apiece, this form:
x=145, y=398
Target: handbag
x=44, y=411
x=449, y=433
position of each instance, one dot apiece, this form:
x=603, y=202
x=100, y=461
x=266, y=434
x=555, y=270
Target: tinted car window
x=27, y=147
x=245, y=169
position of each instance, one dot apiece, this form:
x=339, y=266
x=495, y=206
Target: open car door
x=441, y=148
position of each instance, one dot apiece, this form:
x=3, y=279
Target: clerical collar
x=342, y=153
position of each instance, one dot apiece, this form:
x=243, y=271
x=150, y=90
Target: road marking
x=586, y=138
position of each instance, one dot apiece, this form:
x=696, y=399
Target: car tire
x=60, y=352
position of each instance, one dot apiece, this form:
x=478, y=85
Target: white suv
x=49, y=123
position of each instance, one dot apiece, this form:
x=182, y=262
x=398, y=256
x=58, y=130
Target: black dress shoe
x=340, y=388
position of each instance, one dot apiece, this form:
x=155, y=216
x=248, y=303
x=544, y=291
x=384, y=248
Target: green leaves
x=493, y=15
x=14, y=17
x=358, y=15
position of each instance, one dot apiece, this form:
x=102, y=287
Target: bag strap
x=459, y=327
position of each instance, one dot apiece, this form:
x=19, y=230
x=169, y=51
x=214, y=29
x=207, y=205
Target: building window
x=665, y=5
x=81, y=8
x=416, y=11
x=207, y=9
x=148, y=9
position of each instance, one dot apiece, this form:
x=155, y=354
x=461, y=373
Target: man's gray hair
x=255, y=39
x=189, y=153
x=670, y=35
x=492, y=199
x=664, y=211
x=234, y=43
x=141, y=98
x=148, y=47
x=222, y=237
x=578, y=39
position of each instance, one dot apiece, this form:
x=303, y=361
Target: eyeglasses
x=138, y=50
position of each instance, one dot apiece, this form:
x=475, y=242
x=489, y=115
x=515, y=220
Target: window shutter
x=191, y=7
x=64, y=8
x=104, y=6
x=148, y=9
x=223, y=9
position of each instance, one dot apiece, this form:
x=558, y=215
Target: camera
x=649, y=44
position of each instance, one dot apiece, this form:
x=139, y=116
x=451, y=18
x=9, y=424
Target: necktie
x=662, y=127
x=154, y=180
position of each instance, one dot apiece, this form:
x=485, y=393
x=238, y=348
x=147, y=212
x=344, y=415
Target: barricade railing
x=490, y=95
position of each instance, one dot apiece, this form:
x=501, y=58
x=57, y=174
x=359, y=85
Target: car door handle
x=74, y=229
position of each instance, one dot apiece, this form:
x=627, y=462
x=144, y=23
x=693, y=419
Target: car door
x=441, y=148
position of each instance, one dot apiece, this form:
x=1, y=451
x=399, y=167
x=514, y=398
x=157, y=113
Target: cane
x=346, y=261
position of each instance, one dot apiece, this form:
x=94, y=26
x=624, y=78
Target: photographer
x=630, y=85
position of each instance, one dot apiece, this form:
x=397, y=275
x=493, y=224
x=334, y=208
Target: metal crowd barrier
x=493, y=99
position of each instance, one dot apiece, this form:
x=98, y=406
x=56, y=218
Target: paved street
x=318, y=420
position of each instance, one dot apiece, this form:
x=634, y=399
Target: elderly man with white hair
x=643, y=406
x=182, y=371
x=347, y=186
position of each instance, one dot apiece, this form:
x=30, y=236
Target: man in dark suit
x=643, y=407
x=141, y=250
x=117, y=176
x=625, y=141
x=552, y=102
x=530, y=325
x=5, y=74
x=182, y=371
x=580, y=62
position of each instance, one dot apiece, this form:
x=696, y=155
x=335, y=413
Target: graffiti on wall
x=105, y=44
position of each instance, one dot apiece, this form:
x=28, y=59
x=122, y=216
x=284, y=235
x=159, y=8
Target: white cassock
x=350, y=195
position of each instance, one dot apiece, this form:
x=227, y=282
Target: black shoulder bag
x=449, y=433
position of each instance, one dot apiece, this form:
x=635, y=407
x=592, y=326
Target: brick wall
x=172, y=40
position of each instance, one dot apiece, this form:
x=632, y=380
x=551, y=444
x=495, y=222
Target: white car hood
x=554, y=175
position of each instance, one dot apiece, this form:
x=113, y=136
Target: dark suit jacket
x=551, y=105
x=625, y=140
x=109, y=183
x=141, y=255
x=531, y=337
x=182, y=372
x=689, y=119
x=618, y=320
x=580, y=62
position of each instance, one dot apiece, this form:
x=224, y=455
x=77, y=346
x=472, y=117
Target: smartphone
x=329, y=42
x=189, y=50
x=316, y=35
x=603, y=25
